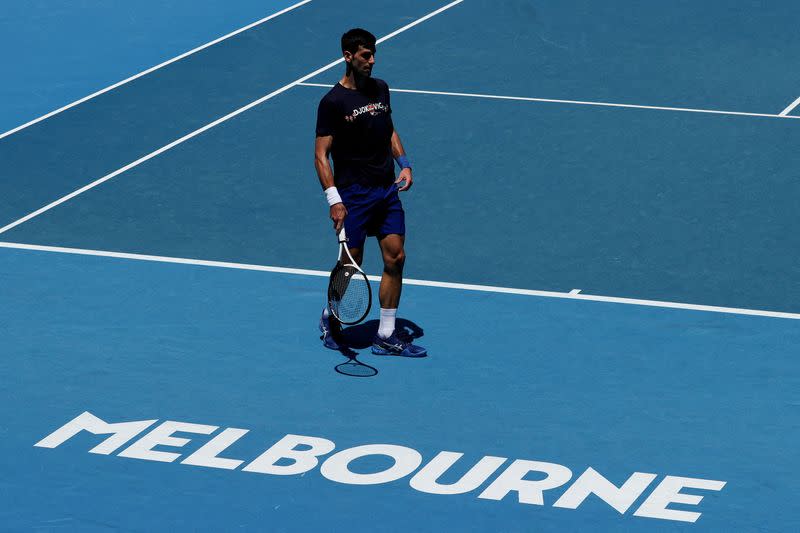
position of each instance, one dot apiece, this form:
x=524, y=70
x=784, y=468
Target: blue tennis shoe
x=393, y=345
x=330, y=329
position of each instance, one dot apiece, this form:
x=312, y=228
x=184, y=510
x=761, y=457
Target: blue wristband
x=403, y=162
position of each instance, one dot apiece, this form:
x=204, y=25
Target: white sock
x=386, y=327
x=325, y=312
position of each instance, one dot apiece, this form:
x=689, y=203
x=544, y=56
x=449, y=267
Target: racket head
x=349, y=294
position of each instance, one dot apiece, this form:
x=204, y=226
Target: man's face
x=362, y=61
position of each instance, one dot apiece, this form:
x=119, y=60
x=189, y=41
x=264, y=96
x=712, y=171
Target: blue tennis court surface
x=72, y=49
x=609, y=293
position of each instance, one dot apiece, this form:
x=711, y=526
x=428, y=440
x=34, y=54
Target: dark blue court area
x=601, y=262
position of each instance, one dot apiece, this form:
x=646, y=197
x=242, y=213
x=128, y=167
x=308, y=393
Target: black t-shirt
x=361, y=124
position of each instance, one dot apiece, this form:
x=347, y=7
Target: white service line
x=210, y=125
x=152, y=69
x=574, y=102
x=789, y=109
x=425, y=283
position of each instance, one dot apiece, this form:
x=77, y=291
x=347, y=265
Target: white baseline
x=426, y=283
x=577, y=102
x=152, y=69
x=207, y=127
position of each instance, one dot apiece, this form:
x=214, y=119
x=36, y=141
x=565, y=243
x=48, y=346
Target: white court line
x=426, y=283
x=791, y=107
x=210, y=125
x=152, y=69
x=574, y=102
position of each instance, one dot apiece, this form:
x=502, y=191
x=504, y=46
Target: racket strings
x=349, y=294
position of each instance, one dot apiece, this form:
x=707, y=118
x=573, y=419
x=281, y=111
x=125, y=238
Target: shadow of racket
x=353, y=367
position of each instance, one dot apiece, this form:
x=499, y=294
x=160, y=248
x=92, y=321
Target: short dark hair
x=356, y=37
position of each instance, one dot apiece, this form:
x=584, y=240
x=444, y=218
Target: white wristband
x=332, y=195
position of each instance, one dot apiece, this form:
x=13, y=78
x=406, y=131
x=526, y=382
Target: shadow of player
x=360, y=336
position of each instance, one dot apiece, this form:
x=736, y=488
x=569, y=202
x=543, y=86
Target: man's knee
x=393, y=260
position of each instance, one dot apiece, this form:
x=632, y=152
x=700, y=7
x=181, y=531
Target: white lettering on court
x=162, y=435
x=302, y=460
x=297, y=454
x=591, y=482
x=208, y=454
x=426, y=479
x=669, y=491
x=336, y=467
x=121, y=432
x=531, y=492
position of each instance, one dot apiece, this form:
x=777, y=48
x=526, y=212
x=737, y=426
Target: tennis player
x=354, y=126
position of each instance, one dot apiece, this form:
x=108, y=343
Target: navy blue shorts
x=372, y=211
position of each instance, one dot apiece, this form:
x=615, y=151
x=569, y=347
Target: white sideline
x=789, y=109
x=210, y=125
x=152, y=69
x=576, y=102
x=426, y=283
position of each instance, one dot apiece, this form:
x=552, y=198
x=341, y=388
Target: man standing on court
x=354, y=126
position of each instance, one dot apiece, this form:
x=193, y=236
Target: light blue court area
x=59, y=51
x=618, y=388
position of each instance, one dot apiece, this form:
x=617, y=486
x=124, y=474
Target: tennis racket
x=349, y=293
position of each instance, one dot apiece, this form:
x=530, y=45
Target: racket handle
x=342, y=235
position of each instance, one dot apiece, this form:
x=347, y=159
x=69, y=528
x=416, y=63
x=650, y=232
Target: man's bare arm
x=322, y=149
x=405, y=174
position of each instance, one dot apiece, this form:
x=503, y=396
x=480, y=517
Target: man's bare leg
x=394, y=258
x=387, y=342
